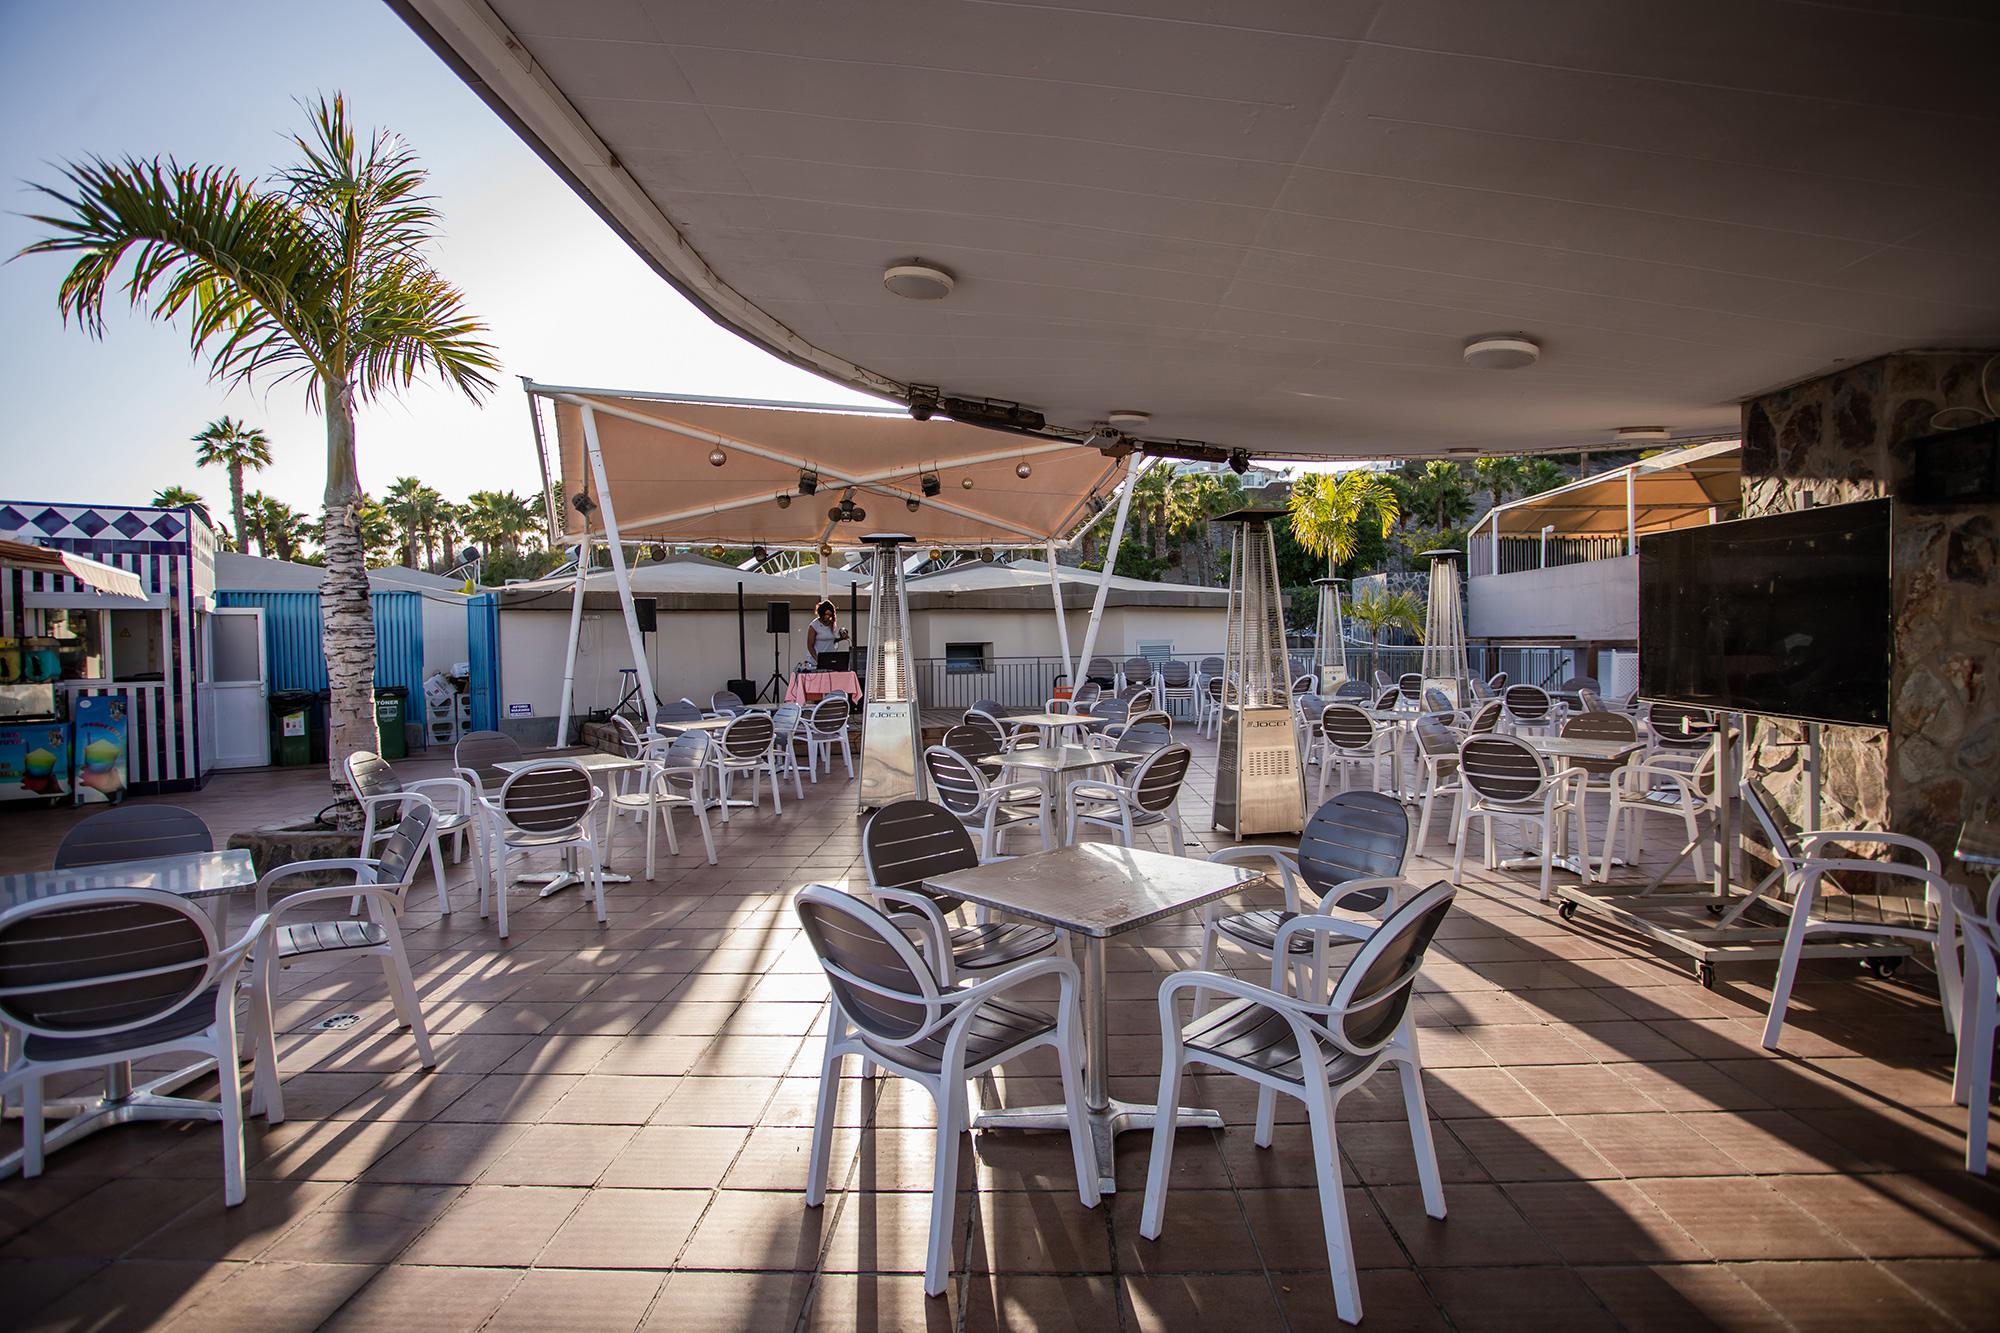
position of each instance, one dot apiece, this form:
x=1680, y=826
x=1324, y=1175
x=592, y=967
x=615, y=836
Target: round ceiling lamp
x=1129, y=420
x=918, y=281
x=1641, y=434
x=1502, y=351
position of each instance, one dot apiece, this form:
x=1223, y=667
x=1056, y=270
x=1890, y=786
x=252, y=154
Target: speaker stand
x=775, y=686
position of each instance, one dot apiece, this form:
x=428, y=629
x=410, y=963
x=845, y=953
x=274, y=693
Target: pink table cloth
x=822, y=683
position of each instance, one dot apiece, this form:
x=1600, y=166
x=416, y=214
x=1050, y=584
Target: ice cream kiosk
x=98, y=661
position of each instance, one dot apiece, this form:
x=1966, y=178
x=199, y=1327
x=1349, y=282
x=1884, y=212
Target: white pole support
x=643, y=669
x=1631, y=515
x=1132, y=471
x=1062, y=617
x=569, y=655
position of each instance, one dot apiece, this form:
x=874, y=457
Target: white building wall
x=1596, y=602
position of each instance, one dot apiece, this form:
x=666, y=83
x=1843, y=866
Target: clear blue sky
x=216, y=81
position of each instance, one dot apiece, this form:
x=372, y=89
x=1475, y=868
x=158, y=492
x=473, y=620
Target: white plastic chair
x=1349, y=738
x=109, y=976
x=1151, y=795
x=1177, y=685
x=1437, y=778
x=1529, y=708
x=890, y=1009
x=675, y=778
x=1504, y=778
x=826, y=727
x=1315, y=1050
x=904, y=843
x=549, y=806
x=987, y=809
x=1662, y=785
x=381, y=792
x=1972, y=1076
x=381, y=884
x=746, y=746
x=786, y=720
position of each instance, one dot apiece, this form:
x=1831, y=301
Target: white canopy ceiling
x=1274, y=223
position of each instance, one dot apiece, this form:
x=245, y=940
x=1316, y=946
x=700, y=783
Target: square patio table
x=1049, y=763
x=1049, y=724
x=1092, y=892
x=205, y=876
x=599, y=766
x=1571, y=747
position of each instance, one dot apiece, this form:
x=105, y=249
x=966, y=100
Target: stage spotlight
x=913, y=504
x=808, y=482
x=784, y=502
x=931, y=485
x=1239, y=461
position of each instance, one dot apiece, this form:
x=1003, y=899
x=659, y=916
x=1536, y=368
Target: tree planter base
x=282, y=844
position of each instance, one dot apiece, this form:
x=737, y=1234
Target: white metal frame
x=505, y=840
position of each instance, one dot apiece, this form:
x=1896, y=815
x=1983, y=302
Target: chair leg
x=1945, y=950
x=1418, y=1113
x=944, y=1183
x=437, y=873
x=1161, y=1164
x=1082, y=1151
x=1461, y=816
x=823, y=1117
x=1267, y=1116
x=403, y=992
x=33, y=1128
x=1975, y=1043
x=1788, y=960
x=229, y=1074
x=1333, y=1206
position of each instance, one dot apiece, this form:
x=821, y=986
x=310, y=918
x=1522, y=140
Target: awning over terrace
x=657, y=452
x=93, y=574
x=1676, y=489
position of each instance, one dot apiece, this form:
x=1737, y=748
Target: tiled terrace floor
x=615, y=1137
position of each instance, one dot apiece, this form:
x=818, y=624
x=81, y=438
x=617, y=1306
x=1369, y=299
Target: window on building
x=967, y=659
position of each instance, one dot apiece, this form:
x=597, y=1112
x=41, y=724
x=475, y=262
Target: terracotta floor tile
x=308, y=1294
x=547, y=1298
x=675, y=1157
x=209, y=1230
x=890, y=1232
x=1481, y=1227
x=1080, y=1304
x=105, y=1222
x=495, y=1227
x=1478, y=1299
x=1666, y=1298
x=1531, y=1148
x=364, y=1223
x=693, y=1302
x=1891, y=1217
x=1650, y=1144
x=748, y=1229
x=1291, y=1235
x=1390, y=1298
x=510, y=1098
x=1217, y=1303
x=1604, y=1221
x=1019, y=1231
x=716, y=1101
x=445, y=1154
x=1740, y=1218
x=1966, y=1289
x=132, y=1294
x=617, y=1228
x=399, y=1299
x=611, y=1099
x=1836, y=1296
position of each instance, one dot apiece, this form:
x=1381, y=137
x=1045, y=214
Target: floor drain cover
x=337, y=1022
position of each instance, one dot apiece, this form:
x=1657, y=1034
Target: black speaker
x=777, y=617
x=645, y=610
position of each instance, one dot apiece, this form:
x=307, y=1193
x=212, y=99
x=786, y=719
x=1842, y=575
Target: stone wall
x=1845, y=437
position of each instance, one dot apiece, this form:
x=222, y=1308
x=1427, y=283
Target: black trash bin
x=322, y=702
x=292, y=713
x=390, y=703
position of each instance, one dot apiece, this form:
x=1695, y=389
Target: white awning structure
x=658, y=453
x=93, y=574
x=1677, y=489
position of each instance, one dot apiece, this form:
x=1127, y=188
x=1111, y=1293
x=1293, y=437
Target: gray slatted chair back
x=1303, y=684
x=829, y=716
x=630, y=743
x=1383, y=680
x=884, y=986
x=906, y=842
x=678, y=710
x=1377, y=985
x=1437, y=701
x=1497, y=681
x=1117, y=710
x=1356, y=835
x=1101, y=672
x=1527, y=703
x=990, y=707
x=1600, y=727
x=549, y=799
x=1087, y=694
x=1145, y=734
x=724, y=700
x=1575, y=683
x=1157, y=784
x=1211, y=666
x=1501, y=768
x=974, y=743
x=1478, y=689
x=1139, y=701
x=479, y=751
x=1388, y=699
x=1346, y=726
x=988, y=723
x=1680, y=727
x=1138, y=668
x=748, y=736
x=133, y=833
x=1216, y=686
x=1351, y=689
x=1487, y=718
x=1410, y=685
x=396, y=859
x=956, y=782
x=1436, y=739
x=102, y=961
x=785, y=718
x=1310, y=703
x=370, y=775
x=685, y=751
x=1176, y=675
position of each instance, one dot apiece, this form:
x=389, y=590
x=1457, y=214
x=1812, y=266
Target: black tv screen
x=1787, y=615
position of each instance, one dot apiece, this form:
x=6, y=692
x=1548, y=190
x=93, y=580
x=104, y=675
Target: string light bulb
x=966, y=483
x=1022, y=470
x=784, y=501
x=716, y=458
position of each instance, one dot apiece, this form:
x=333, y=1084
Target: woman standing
x=823, y=636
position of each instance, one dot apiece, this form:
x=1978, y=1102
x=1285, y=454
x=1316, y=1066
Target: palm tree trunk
x=242, y=537
x=347, y=620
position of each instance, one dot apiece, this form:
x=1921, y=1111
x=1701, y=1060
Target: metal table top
x=1095, y=889
x=596, y=761
x=1580, y=747
x=1051, y=758
x=194, y=875
x=694, y=724
x=1055, y=720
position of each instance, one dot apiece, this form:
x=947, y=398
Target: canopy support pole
x=619, y=573
x=1632, y=521
x=569, y=656
x=1110, y=563
x=1062, y=620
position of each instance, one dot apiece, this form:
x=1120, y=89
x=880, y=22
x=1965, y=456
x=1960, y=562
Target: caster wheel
x=1705, y=974
x=1567, y=911
x=1713, y=909
x=1883, y=967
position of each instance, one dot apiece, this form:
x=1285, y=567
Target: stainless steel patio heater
x=1444, y=629
x=1330, y=637
x=1259, y=782
x=890, y=730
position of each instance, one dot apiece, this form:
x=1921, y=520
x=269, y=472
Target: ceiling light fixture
x=1022, y=470
x=930, y=485
x=1641, y=434
x=1129, y=420
x=923, y=401
x=1501, y=351
x=918, y=281
x=1239, y=461
x=808, y=482
x=784, y=501
x=913, y=504
x=966, y=484
x=716, y=458
x=986, y=554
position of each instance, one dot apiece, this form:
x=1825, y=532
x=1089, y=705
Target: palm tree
x=317, y=274
x=403, y=503
x=1497, y=477
x=1542, y=474
x=227, y=443
x=1441, y=493
x=1386, y=611
x=281, y=529
x=1328, y=508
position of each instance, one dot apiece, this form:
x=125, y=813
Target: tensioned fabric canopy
x=657, y=459
x=93, y=574
x=1676, y=489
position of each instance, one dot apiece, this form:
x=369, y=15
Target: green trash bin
x=389, y=701
x=291, y=726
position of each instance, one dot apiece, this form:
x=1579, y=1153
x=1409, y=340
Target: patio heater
x=1259, y=782
x=1330, y=637
x=890, y=736
x=1444, y=628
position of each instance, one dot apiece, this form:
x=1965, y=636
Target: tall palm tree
x=1386, y=611
x=317, y=274
x=1542, y=474
x=1328, y=509
x=227, y=443
x=403, y=503
x=1441, y=493
x=281, y=529
x=1497, y=477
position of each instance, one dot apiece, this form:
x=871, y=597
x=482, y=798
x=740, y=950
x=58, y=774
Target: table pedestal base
x=555, y=881
x=1105, y=1127
x=119, y=1104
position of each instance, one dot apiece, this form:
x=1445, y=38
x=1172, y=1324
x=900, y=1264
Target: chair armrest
x=910, y=902
x=386, y=895
x=1015, y=789
x=1809, y=843
x=1285, y=1006
x=1397, y=889
x=356, y=864
x=957, y=1000
x=458, y=786
x=230, y=959
x=1819, y=865
x=1286, y=858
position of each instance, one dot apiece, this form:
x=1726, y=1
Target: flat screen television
x=1786, y=615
